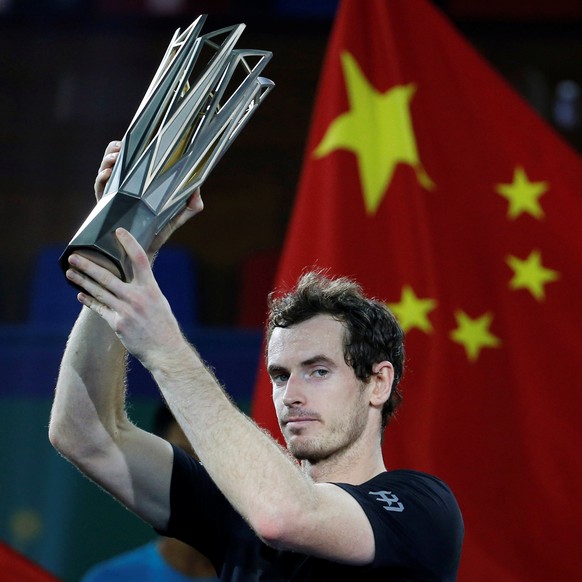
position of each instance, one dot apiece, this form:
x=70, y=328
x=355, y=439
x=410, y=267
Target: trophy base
x=96, y=257
x=96, y=239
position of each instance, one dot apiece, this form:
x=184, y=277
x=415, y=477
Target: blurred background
x=72, y=73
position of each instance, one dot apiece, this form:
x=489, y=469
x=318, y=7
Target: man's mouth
x=298, y=420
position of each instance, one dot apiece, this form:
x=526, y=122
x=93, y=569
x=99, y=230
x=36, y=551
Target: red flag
x=435, y=186
x=16, y=568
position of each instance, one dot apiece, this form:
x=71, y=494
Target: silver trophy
x=200, y=98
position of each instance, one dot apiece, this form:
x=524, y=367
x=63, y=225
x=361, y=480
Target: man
x=329, y=510
x=163, y=559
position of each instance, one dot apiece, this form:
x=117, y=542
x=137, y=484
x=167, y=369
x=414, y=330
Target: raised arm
x=89, y=424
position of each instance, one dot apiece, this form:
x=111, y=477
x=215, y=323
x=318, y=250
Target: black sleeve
x=199, y=513
x=416, y=521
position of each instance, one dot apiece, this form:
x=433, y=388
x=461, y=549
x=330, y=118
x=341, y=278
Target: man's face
x=321, y=406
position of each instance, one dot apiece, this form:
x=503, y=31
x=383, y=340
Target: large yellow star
x=378, y=130
x=530, y=274
x=474, y=334
x=523, y=195
x=412, y=311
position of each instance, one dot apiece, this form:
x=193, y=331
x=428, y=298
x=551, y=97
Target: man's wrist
x=173, y=361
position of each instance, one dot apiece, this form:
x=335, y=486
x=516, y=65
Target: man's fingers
x=194, y=205
x=94, y=305
x=96, y=280
x=108, y=161
x=112, y=146
x=94, y=296
x=135, y=252
x=110, y=156
x=129, y=243
x=101, y=180
x=104, y=173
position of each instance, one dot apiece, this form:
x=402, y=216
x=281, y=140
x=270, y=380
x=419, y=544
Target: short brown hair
x=372, y=333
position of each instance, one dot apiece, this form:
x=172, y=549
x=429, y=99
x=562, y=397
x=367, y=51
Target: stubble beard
x=331, y=440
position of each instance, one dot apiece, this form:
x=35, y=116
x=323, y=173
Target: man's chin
x=303, y=449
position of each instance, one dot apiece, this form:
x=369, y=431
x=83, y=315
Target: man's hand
x=136, y=311
x=193, y=206
x=104, y=173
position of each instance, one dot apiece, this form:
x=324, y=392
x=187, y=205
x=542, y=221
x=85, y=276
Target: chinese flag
x=16, y=568
x=435, y=186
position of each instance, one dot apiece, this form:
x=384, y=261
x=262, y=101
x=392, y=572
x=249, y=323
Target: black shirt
x=416, y=521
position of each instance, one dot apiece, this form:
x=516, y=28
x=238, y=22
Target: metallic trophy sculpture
x=200, y=98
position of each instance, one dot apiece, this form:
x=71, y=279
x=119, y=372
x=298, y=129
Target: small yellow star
x=530, y=274
x=378, y=130
x=474, y=334
x=412, y=311
x=523, y=195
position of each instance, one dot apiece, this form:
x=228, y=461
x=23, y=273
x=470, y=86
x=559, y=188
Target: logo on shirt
x=392, y=503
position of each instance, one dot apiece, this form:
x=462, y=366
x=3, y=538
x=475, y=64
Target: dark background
x=73, y=72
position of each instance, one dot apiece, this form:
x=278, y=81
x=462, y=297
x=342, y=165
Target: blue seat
x=177, y=275
x=53, y=301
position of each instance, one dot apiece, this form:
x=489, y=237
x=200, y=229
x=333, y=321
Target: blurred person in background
x=164, y=559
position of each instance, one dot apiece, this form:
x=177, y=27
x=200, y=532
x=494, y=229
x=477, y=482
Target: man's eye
x=320, y=372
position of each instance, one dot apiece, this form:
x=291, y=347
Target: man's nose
x=294, y=391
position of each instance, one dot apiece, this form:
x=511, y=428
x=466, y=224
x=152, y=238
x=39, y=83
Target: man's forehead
x=310, y=336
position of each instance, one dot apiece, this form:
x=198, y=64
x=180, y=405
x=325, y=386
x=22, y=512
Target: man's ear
x=381, y=379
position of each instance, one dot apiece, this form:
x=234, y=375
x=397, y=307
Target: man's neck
x=355, y=466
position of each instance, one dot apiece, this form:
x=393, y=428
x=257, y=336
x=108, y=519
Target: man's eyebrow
x=319, y=359
x=274, y=369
